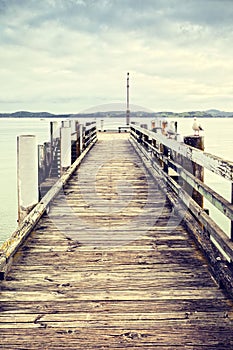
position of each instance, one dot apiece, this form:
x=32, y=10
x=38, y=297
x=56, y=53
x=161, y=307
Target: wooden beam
x=211, y=162
x=10, y=247
x=224, y=206
x=194, y=168
x=217, y=233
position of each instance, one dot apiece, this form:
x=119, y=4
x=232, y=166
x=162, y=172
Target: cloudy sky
x=66, y=56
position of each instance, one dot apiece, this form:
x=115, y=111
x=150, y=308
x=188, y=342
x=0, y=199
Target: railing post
x=41, y=164
x=74, y=139
x=165, y=153
x=102, y=125
x=56, y=130
x=194, y=168
x=73, y=130
x=54, y=134
x=47, y=159
x=152, y=124
x=65, y=148
x=27, y=174
x=80, y=137
x=65, y=123
x=51, y=141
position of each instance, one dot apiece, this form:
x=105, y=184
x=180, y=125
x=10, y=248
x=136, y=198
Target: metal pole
x=127, y=109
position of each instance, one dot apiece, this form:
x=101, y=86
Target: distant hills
x=26, y=114
x=210, y=113
x=217, y=113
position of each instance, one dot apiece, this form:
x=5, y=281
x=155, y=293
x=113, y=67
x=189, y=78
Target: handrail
x=90, y=133
x=162, y=158
x=46, y=161
x=10, y=247
x=90, y=125
x=224, y=206
x=211, y=162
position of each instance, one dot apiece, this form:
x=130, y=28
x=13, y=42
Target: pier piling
x=194, y=168
x=27, y=179
x=65, y=147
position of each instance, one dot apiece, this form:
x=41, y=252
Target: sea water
x=218, y=141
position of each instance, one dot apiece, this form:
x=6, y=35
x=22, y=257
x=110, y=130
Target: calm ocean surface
x=218, y=140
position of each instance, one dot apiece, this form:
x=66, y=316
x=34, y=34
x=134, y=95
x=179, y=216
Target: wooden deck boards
x=110, y=267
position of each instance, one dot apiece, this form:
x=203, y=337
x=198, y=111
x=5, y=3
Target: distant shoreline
x=76, y=116
x=211, y=113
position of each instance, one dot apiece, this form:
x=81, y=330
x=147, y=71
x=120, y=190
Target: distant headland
x=211, y=113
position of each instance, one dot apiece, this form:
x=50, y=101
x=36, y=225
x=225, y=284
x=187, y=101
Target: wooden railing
x=89, y=133
x=178, y=167
x=50, y=152
x=82, y=138
x=68, y=139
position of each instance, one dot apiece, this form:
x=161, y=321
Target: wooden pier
x=111, y=260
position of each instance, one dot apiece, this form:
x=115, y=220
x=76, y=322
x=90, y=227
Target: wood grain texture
x=211, y=162
x=111, y=267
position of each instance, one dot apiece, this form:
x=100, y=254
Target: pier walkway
x=111, y=267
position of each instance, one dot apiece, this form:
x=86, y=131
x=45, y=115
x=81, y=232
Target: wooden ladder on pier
x=111, y=267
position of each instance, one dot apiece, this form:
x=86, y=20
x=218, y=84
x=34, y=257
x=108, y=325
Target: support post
x=194, y=168
x=65, y=148
x=73, y=130
x=165, y=152
x=74, y=140
x=144, y=126
x=102, y=125
x=54, y=134
x=65, y=123
x=78, y=139
x=152, y=124
x=56, y=130
x=27, y=174
x=51, y=140
x=81, y=137
x=41, y=164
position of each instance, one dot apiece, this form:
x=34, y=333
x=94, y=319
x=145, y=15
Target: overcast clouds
x=69, y=55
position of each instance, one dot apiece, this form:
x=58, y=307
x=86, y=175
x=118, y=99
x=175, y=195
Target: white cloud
x=68, y=56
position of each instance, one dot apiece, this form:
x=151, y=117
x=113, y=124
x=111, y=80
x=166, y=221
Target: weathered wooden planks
x=177, y=156
x=211, y=162
x=9, y=248
x=110, y=267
